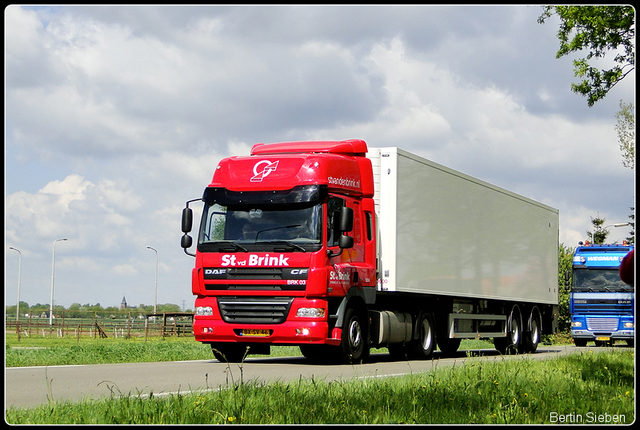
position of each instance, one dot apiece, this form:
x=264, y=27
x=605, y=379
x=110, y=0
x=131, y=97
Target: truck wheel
x=318, y=353
x=580, y=342
x=355, y=345
x=448, y=346
x=423, y=346
x=532, y=338
x=231, y=353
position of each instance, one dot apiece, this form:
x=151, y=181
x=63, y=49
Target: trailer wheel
x=355, y=337
x=424, y=345
x=511, y=343
x=532, y=338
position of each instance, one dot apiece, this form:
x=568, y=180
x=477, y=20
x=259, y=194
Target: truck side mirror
x=345, y=225
x=345, y=242
x=186, y=241
x=187, y=220
x=346, y=219
x=567, y=278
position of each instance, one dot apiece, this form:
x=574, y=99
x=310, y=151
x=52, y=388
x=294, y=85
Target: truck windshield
x=244, y=228
x=599, y=280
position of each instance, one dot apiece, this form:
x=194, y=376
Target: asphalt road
x=30, y=386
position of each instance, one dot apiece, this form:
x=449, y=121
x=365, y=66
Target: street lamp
x=53, y=271
x=19, y=269
x=155, y=301
x=618, y=224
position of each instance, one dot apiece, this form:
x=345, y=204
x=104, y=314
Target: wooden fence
x=103, y=325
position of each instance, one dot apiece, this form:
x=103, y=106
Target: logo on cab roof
x=262, y=169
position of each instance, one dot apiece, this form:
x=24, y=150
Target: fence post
x=129, y=325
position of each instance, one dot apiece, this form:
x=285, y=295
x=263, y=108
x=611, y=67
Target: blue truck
x=601, y=305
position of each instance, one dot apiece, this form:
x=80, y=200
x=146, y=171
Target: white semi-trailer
x=473, y=259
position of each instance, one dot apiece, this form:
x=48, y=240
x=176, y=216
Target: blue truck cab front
x=601, y=304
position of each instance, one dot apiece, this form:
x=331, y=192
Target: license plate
x=252, y=332
x=603, y=338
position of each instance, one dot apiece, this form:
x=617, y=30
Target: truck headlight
x=204, y=311
x=310, y=313
x=576, y=324
x=628, y=325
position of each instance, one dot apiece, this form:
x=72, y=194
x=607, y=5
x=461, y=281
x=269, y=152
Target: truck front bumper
x=295, y=330
x=602, y=328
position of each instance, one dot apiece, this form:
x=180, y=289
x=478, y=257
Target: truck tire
x=355, y=336
x=448, y=346
x=510, y=344
x=229, y=353
x=319, y=353
x=532, y=337
x=580, y=342
x=423, y=346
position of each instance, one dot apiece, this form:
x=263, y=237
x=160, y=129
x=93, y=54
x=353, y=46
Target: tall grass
x=524, y=391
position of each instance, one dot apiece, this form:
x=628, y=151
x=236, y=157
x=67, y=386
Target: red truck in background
x=337, y=248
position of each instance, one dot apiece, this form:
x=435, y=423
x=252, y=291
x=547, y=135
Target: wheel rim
x=535, y=332
x=426, y=335
x=515, y=332
x=355, y=334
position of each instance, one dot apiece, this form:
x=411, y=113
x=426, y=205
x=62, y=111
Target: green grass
x=35, y=351
x=524, y=391
x=53, y=351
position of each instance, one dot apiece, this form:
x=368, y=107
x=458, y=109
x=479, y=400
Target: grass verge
x=590, y=387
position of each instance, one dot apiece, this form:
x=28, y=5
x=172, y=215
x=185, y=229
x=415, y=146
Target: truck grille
x=602, y=306
x=254, y=310
x=602, y=324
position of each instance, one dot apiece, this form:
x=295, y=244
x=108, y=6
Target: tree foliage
x=597, y=30
x=565, y=261
x=599, y=235
x=626, y=129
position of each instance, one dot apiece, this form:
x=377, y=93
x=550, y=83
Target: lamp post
x=53, y=271
x=19, y=270
x=155, y=301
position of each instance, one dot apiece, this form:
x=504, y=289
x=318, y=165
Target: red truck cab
x=286, y=251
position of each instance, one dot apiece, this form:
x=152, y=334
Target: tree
x=631, y=239
x=600, y=234
x=565, y=261
x=626, y=129
x=598, y=29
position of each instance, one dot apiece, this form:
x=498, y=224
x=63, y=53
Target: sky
x=115, y=116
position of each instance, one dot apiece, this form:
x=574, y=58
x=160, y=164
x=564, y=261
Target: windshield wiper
x=226, y=244
x=284, y=242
